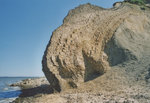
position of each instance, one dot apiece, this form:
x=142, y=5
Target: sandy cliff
x=92, y=40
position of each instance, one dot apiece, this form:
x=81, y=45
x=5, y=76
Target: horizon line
x=21, y=76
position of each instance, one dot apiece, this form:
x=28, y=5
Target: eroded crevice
x=63, y=72
x=93, y=69
x=147, y=77
x=54, y=82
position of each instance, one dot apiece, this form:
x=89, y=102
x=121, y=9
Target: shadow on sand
x=43, y=89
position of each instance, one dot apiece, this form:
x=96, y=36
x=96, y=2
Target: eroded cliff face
x=130, y=40
x=92, y=40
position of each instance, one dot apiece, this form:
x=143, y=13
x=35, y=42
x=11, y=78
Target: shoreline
x=9, y=93
x=30, y=88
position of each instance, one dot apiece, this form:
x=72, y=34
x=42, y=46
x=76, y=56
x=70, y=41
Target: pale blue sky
x=25, y=29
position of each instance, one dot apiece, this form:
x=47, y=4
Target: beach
x=38, y=90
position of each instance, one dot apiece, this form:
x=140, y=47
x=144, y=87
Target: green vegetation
x=138, y=2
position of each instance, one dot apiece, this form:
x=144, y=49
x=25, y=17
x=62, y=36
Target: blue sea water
x=7, y=93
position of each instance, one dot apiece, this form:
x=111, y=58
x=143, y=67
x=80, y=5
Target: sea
x=8, y=93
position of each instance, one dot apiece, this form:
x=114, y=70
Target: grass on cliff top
x=141, y=3
x=138, y=2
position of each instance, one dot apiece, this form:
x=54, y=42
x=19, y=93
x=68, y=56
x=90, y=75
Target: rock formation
x=92, y=40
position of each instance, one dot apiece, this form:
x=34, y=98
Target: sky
x=25, y=29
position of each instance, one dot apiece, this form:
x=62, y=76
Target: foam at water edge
x=8, y=100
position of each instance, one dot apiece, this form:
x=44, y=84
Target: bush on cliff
x=138, y=2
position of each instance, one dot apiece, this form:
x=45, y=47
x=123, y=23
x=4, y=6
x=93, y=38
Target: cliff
x=97, y=50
